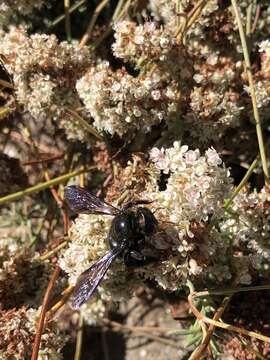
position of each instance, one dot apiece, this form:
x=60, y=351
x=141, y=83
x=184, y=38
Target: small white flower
x=264, y=46
x=212, y=157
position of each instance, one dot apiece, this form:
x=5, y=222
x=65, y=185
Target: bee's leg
x=134, y=258
x=136, y=255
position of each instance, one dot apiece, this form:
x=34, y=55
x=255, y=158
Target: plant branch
x=67, y=20
x=242, y=183
x=207, y=337
x=223, y=325
x=45, y=185
x=84, y=123
x=70, y=11
x=42, y=316
x=78, y=350
x=252, y=90
x=87, y=36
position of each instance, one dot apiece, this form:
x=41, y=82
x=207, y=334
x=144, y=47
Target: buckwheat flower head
x=23, y=280
x=94, y=310
x=22, y=7
x=89, y=243
x=120, y=103
x=184, y=246
x=262, y=81
x=166, y=11
x=44, y=71
x=149, y=44
x=216, y=105
x=264, y=46
x=197, y=185
x=17, y=333
x=251, y=230
x=143, y=43
x=262, y=90
x=215, y=101
x=195, y=191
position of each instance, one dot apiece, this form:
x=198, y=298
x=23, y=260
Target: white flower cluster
x=165, y=11
x=141, y=43
x=250, y=230
x=23, y=280
x=262, y=81
x=17, y=331
x=170, y=11
x=44, y=72
x=121, y=103
x=196, y=188
x=23, y=7
x=87, y=244
x=195, y=192
x=213, y=111
x=264, y=46
x=215, y=101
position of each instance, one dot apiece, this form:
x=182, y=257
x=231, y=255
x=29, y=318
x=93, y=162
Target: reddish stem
x=43, y=312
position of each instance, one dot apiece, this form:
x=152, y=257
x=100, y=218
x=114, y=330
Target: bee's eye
x=123, y=226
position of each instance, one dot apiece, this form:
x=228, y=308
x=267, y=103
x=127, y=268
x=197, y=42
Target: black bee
x=127, y=233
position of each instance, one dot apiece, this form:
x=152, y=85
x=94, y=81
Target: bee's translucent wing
x=90, y=279
x=82, y=201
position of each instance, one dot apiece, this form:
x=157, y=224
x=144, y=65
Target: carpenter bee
x=127, y=233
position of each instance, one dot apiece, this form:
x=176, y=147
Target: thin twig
x=42, y=316
x=47, y=159
x=67, y=20
x=105, y=344
x=242, y=183
x=256, y=19
x=60, y=203
x=191, y=18
x=230, y=291
x=153, y=329
x=52, y=252
x=79, y=339
x=55, y=195
x=139, y=332
x=87, y=36
x=250, y=8
x=62, y=17
x=206, y=339
x=84, y=123
x=252, y=90
x=118, y=9
x=4, y=111
x=6, y=84
x=119, y=13
x=223, y=325
x=45, y=185
x=60, y=302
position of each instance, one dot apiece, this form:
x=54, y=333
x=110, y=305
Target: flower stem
x=43, y=312
x=242, y=183
x=252, y=90
x=67, y=20
x=42, y=186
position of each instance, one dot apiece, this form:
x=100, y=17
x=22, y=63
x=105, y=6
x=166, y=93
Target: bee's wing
x=90, y=279
x=82, y=201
